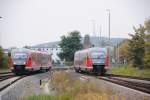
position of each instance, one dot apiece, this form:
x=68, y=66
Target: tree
x=137, y=47
x=147, y=44
x=1, y=56
x=147, y=25
x=124, y=51
x=3, y=59
x=87, y=42
x=69, y=45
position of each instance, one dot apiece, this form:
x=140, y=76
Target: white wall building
x=51, y=48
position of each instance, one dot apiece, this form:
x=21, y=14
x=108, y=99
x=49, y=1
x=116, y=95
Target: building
x=51, y=48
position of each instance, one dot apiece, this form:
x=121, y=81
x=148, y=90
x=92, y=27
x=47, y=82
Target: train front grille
x=19, y=67
x=98, y=68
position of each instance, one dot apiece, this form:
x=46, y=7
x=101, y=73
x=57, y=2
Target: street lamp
x=93, y=21
x=100, y=37
x=108, y=10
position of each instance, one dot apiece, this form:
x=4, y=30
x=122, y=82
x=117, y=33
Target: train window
x=98, y=55
x=19, y=56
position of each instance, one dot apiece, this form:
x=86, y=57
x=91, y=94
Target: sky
x=31, y=22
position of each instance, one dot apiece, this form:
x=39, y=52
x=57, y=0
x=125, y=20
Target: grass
x=130, y=71
x=70, y=89
x=4, y=70
x=63, y=96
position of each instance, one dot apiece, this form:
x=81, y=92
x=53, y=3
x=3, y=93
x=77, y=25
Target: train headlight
x=24, y=62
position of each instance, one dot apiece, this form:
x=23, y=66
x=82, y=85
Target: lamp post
x=108, y=10
x=100, y=37
x=93, y=21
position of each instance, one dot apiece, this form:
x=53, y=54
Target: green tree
x=69, y=45
x=147, y=44
x=124, y=51
x=1, y=56
x=137, y=47
x=3, y=59
x=147, y=25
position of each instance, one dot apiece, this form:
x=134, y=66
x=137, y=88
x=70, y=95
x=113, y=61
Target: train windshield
x=98, y=55
x=19, y=56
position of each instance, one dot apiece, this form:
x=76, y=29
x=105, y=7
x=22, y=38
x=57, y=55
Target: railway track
x=1, y=73
x=13, y=79
x=130, y=77
x=5, y=76
x=140, y=86
x=11, y=82
x=6, y=79
x=136, y=83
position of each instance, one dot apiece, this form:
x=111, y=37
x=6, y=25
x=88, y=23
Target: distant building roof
x=47, y=45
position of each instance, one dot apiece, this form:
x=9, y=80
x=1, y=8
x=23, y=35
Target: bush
x=4, y=63
x=147, y=59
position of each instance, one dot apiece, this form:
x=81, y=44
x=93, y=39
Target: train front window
x=19, y=56
x=98, y=55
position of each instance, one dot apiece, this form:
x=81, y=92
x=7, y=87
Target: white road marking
x=84, y=78
x=46, y=89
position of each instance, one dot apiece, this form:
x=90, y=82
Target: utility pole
x=108, y=10
x=118, y=55
x=100, y=33
x=93, y=22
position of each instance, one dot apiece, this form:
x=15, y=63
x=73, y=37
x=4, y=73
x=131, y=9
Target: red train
x=94, y=60
x=26, y=60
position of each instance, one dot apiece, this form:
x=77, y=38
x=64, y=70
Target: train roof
x=96, y=48
x=20, y=50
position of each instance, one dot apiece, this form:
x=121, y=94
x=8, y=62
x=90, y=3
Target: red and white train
x=26, y=60
x=94, y=60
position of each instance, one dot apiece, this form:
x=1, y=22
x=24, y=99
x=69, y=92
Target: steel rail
x=12, y=82
x=144, y=87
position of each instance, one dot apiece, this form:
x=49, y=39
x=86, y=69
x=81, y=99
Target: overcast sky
x=30, y=22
